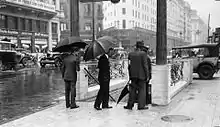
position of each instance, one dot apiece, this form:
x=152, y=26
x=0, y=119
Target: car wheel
x=24, y=61
x=206, y=72
x=58, y=62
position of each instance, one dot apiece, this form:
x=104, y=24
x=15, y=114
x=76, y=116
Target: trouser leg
x=99, y=97
x=105, y=94
x=132, y=93
x=73, y=93
x=141, y=93
x=67, y=93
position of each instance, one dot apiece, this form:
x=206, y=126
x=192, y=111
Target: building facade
x=140, y=16
x=32, y=23
x=199, y=29
x=85, y=19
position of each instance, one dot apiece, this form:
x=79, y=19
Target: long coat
x=70, y=67
x=104, y=68
x=138, y=67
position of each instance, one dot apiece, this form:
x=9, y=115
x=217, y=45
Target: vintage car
x=26, y=57
x=51, y=58
x=9, y=57
x=206, y=58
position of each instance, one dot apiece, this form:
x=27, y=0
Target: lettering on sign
x=26, y=33
x=47, y=5
x=41, y=34
x=8, y=31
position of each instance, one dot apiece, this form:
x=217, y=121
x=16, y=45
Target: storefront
x=26, y=23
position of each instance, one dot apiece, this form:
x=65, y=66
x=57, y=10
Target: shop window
x=12, y=21
x=54, y=27
x=3, y=21
x=87, y=9
x=29, y=25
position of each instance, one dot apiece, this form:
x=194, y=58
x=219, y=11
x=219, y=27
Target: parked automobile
x=51, y=58
x=9, y=57
x=26, y=57
x=206, y=59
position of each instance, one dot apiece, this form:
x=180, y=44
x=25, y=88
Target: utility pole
x=161, y=48
x=208, y=28
x=74, y=17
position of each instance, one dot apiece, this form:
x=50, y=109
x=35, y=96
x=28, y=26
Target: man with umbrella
x=138, y=74
x=104, y=80
x=70, y=67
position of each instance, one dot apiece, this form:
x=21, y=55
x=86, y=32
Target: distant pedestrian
x=104, y=80
x=69, y=68
x=138, y=74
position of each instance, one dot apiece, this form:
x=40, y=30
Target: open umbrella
x=66, y=44
x=124, y=92
x=98, y=47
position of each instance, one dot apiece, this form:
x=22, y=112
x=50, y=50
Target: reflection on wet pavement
x=28, y=91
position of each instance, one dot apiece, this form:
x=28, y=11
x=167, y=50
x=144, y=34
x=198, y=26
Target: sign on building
x=46, y=5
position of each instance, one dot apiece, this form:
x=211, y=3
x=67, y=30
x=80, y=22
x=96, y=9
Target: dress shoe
x=108, y=107
x=97, y=108
x=67, y=106
x=126, y=107
x=144, y=108
x=73, y=107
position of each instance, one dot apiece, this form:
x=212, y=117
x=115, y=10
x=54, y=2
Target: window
x=99, y=11
x=87, y=9
x=3, y=21
x=22, y=24
x=88, y=26
x=124, y=24
x=44, y=26
x=133, y=13
x=123, y=11
x=38, y=26
x=54, y=27
x=13, y=22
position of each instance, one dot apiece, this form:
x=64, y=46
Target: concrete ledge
x=181, y=85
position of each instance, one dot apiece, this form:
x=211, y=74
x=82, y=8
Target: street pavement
x=195, y=106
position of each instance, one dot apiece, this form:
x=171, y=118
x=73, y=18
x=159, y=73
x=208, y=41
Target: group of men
x=139, y=73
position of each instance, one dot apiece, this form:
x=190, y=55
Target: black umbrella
x=98, y=47
x=124, y=92
x=66, y=44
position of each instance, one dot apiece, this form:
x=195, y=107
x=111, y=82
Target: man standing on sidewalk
x=69, y=69
x=104, y=80
x=148, y=97
x=138, y=74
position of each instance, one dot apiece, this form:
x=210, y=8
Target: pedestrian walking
x=69, y=70
x=138, y=74
x=148, y=90
x=104, y=80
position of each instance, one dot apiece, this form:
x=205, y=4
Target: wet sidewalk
x=196, y=106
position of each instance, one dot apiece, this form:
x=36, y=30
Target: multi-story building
x=85, y=19
x=139, y=17
x=199, y=29
x=28, y=22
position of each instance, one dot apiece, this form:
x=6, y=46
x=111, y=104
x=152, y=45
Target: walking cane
x=97, y=82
